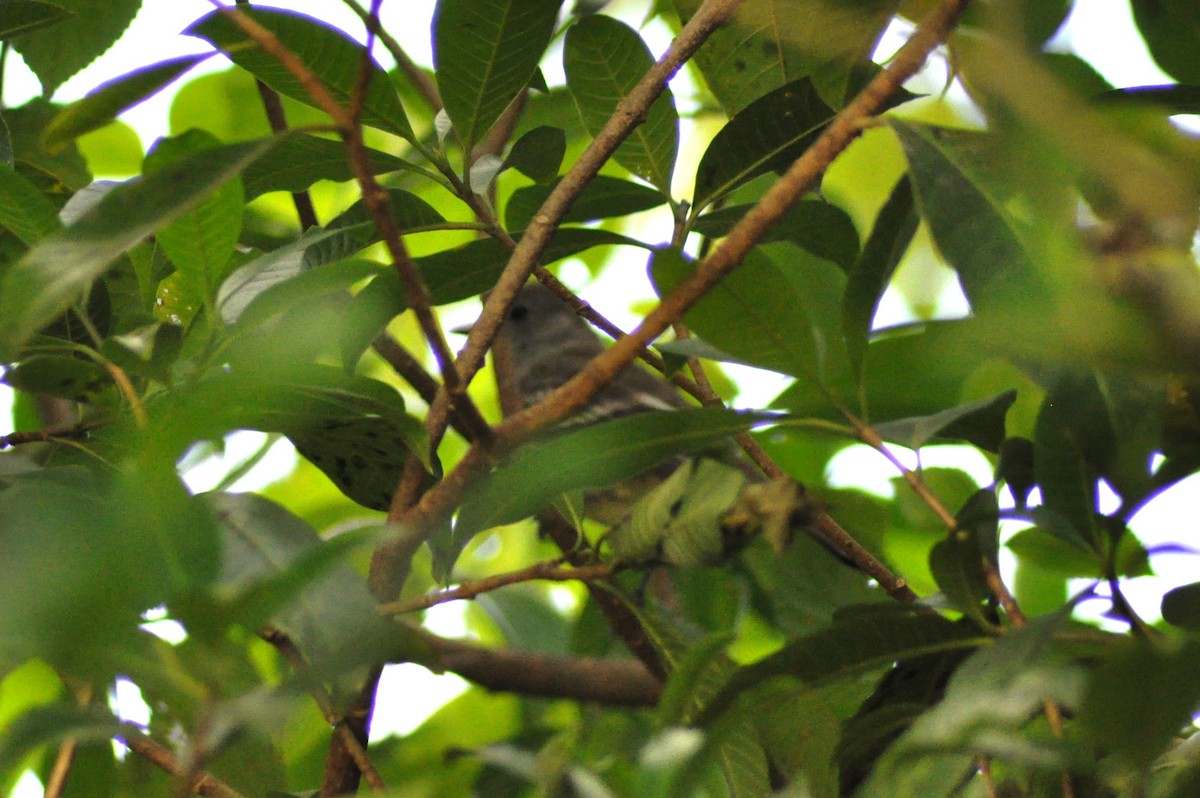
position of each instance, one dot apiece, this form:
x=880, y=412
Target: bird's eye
x=518, y=312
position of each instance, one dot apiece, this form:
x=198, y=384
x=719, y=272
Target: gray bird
x=549, y=344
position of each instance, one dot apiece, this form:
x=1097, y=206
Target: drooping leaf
x=872, y=271
x=280, y=571
x=26, y=16
x=604, y=197
x=767, y=135
x=957, y=561
x=816, y=226
x=1181, y=606
x=980, y=423
x=766, y=45
x=52, y=274
x=1067, y=481
x=56, y=723
x=1169, y=28
x=856, y=643
x=963, y=207
x=604, y=59
x=484, y=54
x=333, y=57
x=102, y=104
x=539, y=153
x=58, y=52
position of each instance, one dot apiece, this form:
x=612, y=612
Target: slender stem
x=550, y=570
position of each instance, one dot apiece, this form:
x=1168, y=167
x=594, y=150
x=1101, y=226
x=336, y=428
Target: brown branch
x=46, y=436
x=612, y=682
x=200, y=783
x=550, y=571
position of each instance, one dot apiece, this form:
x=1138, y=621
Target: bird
x=547, y=344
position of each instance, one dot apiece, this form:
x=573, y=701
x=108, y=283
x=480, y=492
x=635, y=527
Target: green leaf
x=57, y=53
x=1067, y=481
x=25, y=16
x=594, y=456
x=604, y=197
x=816, y=226
x=333, y=57
x=1181, y=606
x=102, y=105
x=958, y=195
x=872, y=271
x=275, y=565
x=24, y=210
x=301, y=160
x=766, y=45
x=1170, y=28
x=1142, y=698
x=306, y=287
x=539, y=153
x=59, y=375
x=56, y=723
x=679, y=522
x=957, y=561
x=753, y=314
x=765, y=136
x=858, y=642
x=201, y=240
x=679, y=693
x=604, y=59
x=484, y=54
x=56, y=271
x=980, y=423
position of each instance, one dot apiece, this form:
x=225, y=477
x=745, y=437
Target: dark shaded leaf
x=23, y=209
x=485, y=54
x=604, y=59
x=957, y=561
x=25, y=16
x=816, y=226
x=980, y=423
x=539, y=153
x=1172, y=98
x=1067, y=481
x=102, y=105
x=1181, y=607
x=332, y=55
x=765, y=136
x=604, y=197
x=1170, y=28
x=872, y=271
x=55, y=723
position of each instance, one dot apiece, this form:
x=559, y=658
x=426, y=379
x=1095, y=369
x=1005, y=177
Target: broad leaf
x=823, y=229
x=767, y=135
x=604, y=60
x=279, y=570
x=58, y=52
x=957, y=561
x=980, y=423
x=539, y=153
x=485, y=54
x=768, y=44
x=23, y=209
x=26, y=16
x=332, y=55
x=1170, y=28
x=604, y=197
x=102, y=105
x=56, y=271
x=56, y=724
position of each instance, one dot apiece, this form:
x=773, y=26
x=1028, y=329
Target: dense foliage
x=276, y=263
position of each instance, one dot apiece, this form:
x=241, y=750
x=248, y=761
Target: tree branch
x=198, y=783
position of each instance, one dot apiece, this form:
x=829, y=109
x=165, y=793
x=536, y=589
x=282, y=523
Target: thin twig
x=200, y=783
x=47, y=435
x=550, y=570
x=285, y=646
